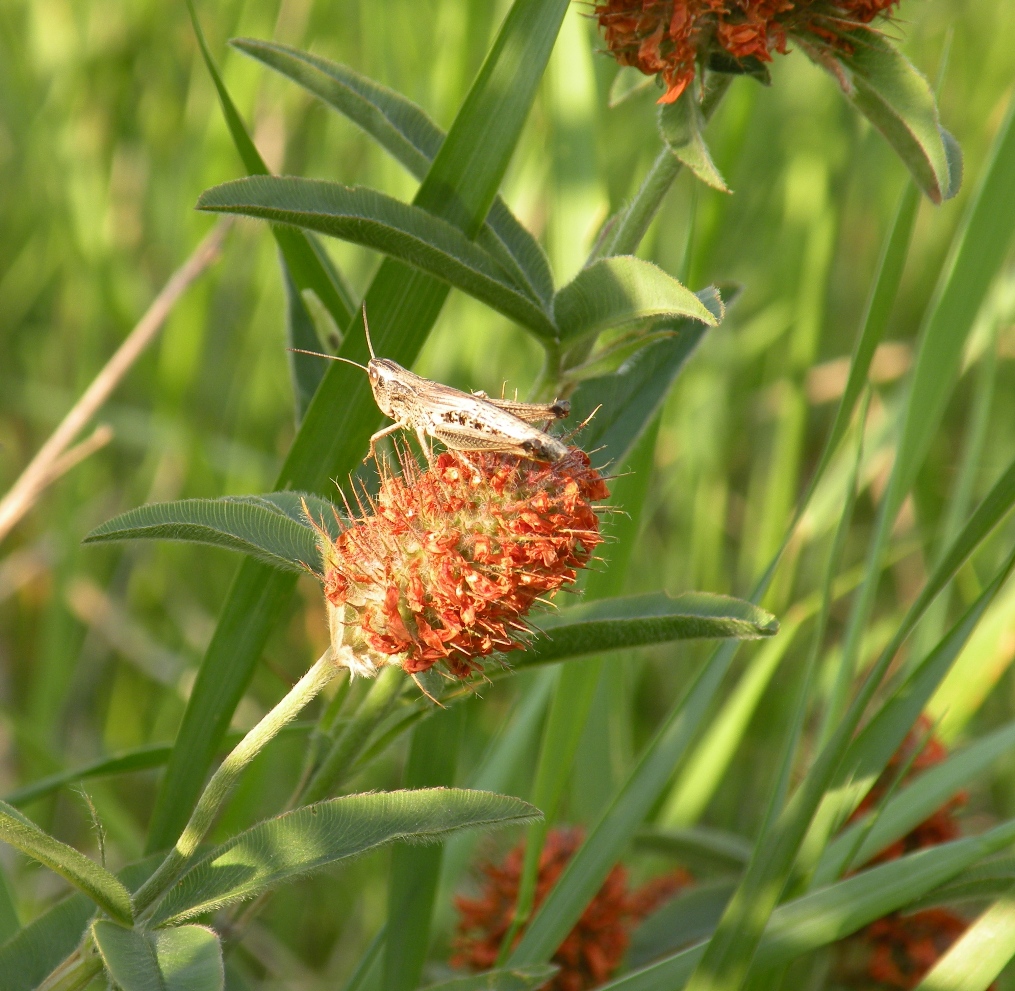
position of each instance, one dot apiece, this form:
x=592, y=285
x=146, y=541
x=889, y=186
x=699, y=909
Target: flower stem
x=347, y=747
x=224, y=779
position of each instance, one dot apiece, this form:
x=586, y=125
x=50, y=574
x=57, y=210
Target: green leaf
x=87, y=876
x=870, y=751
x=47, y=940
x=304, y=265
x=413, y=139
x=829, y=914
x=623, y=290
x=185, y=959
x=364, y=216
x=979, y=955
x=685, y=919
x=416, y=870
x=914, y=803
x=698, y=847
x=976, y=255
x=636, y=620
x=731, y=950
x=305, y=371
x=403, y=303
x=266, y=527
x=35, y=950
x=680, y=126
x=622, y=404
x=280, y=850
x=898, y=101
x=505, y=979
x=700, y=777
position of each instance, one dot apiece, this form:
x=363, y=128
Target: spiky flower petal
x=443, y=565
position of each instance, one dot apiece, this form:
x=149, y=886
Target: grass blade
x=403, y=303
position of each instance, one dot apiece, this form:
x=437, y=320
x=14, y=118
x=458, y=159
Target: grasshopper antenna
x=366, y=330
x=330, y=357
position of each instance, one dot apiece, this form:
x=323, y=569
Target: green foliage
x=187, y=958
x=540, y=223
x=87, y=876
x=290, y=846
x=271, y=528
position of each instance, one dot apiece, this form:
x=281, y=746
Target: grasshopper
x=462, y=421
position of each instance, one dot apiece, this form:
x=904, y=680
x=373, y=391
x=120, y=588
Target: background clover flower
x=897, y=951
x=595, y=946
x=671, y=38
x=443, y=565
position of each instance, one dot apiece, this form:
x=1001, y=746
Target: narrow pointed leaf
x=636, y=620
x=680, y=126
x=623, y=290
x=898, y=101
x=711, y=848
x=280, y=850
x=265, y=527
x=829, y=914
x=188, y=958
x=623, y=403
x=405, y=131
x=87, y=876
x=504, y=979
x=916, y=802
x=375, y=220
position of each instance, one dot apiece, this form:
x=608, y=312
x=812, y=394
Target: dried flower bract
x=671, y=38
x=442, y=565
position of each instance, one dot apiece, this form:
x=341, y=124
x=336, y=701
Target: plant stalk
x=223, y=781
x=347, y=747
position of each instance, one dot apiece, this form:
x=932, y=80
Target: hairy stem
x=354, y=736
x=224, y=779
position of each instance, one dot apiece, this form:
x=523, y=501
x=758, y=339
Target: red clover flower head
x=442, y=565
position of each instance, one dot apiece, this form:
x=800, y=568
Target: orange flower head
x=593, y=949
x=442, y=565
x=672, y=38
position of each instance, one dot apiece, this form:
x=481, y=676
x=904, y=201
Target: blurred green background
x=109, y=130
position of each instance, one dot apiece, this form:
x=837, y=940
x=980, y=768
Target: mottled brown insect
x=462, y=421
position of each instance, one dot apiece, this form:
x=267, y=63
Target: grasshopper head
x=385, y=376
